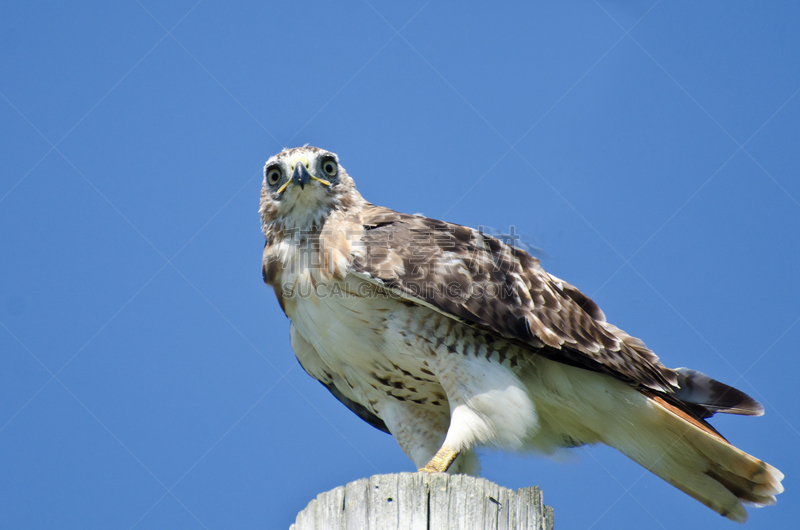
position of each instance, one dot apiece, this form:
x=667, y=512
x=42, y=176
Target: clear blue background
x=146, y=379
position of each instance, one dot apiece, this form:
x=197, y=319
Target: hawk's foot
x=441, y=461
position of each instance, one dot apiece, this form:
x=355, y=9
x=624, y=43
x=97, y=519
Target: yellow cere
x=302, y=159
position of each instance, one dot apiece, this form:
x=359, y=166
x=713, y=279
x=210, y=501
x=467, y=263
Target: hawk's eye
x=329, y=167
x=273, y=175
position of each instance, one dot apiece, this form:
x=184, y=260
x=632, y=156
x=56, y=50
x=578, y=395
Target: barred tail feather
x=693, y=457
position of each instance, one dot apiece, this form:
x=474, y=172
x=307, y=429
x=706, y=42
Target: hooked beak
x=301, y=175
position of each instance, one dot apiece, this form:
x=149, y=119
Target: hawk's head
x=302, y=186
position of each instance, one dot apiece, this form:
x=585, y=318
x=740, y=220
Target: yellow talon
x=441, y=461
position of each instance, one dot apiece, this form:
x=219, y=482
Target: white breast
x=344, y=327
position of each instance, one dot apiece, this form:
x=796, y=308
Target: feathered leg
x=420, y=431
x=488, y=406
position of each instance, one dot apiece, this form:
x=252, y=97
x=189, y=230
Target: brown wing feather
x=480, y=280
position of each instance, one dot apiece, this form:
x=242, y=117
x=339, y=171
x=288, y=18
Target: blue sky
x=146, y=377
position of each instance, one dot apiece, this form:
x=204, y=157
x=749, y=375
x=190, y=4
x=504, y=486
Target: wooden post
x=427, y=502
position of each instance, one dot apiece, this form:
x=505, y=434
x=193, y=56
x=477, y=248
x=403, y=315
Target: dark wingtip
x=696, y=387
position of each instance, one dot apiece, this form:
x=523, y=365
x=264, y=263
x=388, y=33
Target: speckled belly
x=367, y=342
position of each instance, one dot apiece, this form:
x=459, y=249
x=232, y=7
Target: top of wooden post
x=425, y=501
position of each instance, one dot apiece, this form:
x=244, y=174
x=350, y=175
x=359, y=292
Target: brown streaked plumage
x=502, y=289
x=448, y=338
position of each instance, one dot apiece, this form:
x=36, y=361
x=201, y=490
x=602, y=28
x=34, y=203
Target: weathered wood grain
x=422, y=501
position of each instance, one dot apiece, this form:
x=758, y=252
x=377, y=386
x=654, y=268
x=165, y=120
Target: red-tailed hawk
x=448, y=338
